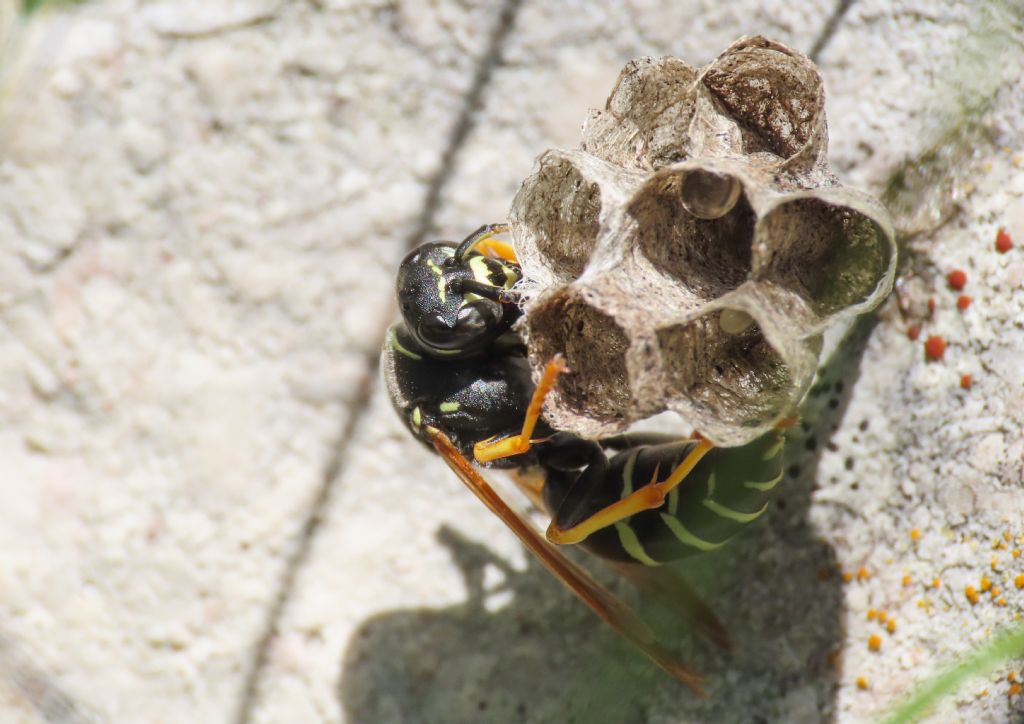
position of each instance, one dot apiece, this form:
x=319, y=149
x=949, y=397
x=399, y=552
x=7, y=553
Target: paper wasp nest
x=691, y=253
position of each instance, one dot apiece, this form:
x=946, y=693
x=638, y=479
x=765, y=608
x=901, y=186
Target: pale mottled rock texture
x=201, y=209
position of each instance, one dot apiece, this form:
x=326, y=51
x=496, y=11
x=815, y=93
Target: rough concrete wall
x=210, y=512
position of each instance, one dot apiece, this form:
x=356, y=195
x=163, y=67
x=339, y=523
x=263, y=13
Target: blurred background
x=209, y=510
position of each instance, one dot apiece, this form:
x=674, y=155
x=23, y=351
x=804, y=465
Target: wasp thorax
x=689, y=255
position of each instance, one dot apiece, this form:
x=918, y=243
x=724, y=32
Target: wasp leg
x=600, y=600
x=487, y=291
x=635, y=439
x=481, y=241
x=649, y=496
x=487, y=450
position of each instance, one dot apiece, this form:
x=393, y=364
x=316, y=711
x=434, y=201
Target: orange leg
x=649, y=496
x=487, y=450
x=600, y=600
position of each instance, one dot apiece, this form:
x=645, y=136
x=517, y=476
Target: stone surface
x=201, y=212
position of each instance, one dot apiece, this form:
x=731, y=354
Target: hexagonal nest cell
x=689, y=255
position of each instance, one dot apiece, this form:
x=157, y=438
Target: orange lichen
x=890, y=625
x=906, y=579
x=862, y=683
x=1019, y=580
x=957, y=279
x=915, y=534
x=963, y=302
x=972, y=594
x=1015, y=553
x=1011, y=677
x=1003, y=241
x=913, y=332
x=1014, y=690
x=872, y=614
x=847, y=576
x=936, y=583
x=965, y=381
x=934, y=347
x=985, y=583
x=994, y=592
x=863, y=574
x=874, y=642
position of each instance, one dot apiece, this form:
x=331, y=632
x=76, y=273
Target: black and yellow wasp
x=458, y=376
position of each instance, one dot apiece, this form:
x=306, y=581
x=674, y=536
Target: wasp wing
x=600, y=600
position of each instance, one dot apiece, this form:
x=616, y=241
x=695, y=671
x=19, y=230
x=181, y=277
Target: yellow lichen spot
x=1000, y=546
x=972, y=594
x=1007, y=536
x=874, y=642
x=882, y=615
x=890, y=625
x=994, y=564
x=1014, y=690
x=847, y=576
x=1000, y=601
x=1019, y=580
x=1015, y=553
x=906, y=579
x=936, y=583
x=862, y=574
x=983, y=692
x=994, y=592
x=915, y=534
x=922, y=603
x=985, y=583
x=1016, y=616
x=1011, y=677
x=872, y=613
x=862, y=683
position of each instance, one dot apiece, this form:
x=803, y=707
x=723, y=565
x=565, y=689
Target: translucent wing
x=600, y=600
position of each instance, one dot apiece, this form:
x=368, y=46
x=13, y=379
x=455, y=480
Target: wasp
x=457, y=374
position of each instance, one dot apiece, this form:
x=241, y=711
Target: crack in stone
x=829, y=31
